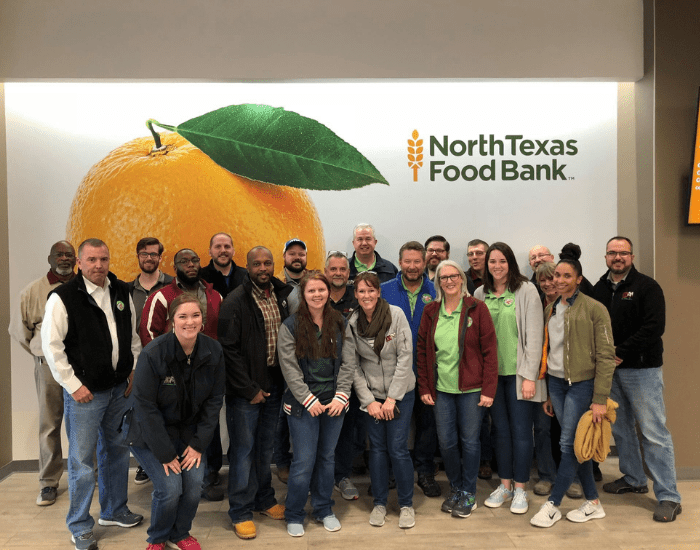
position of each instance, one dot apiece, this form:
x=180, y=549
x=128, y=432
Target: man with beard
x=342, y=297
x=437, y=249
x=25, y=327
x=638, y=314
x=411, y=290
x=365, y=258
x=248, y=327
x=149, y=252
x=154, y=320
x=294, y=255
x=476, y=256
x=222, y=272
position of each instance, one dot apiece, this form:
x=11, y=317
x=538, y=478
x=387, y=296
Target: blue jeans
x=458, y=418
x=388, y=441
x=546, y=467
x=175, y=496
x=485, y=437
x=86, y=422
x=570, y=402
x=512, y=425
x=251, y=431
x=351, y=441
x=313, y=464
x=426, y=442
x=640, y=396
x=281, y=449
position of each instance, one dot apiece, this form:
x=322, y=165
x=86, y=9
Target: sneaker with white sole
x=548, y=515
x=519, y=504
x=588, y=510
x=295, y=529
x=127, y=519
x=347, y=489
x=498, y=497
x=330, y=523
x=86, y=541
x=407, y=517
x=377, y=516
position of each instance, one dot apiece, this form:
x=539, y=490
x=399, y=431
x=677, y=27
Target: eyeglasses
x=435, y=251
x=453, y=277
x=152, y=255
x=613, y=253
x=187, y=261
x=475, y=253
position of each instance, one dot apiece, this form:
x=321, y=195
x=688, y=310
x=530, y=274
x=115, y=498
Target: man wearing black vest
x=90, y=343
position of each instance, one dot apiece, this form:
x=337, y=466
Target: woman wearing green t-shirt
x=457, y=374
x=516, y=310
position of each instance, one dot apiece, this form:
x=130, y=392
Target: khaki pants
x=50, y=396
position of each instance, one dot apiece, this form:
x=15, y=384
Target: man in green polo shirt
x=365, y=258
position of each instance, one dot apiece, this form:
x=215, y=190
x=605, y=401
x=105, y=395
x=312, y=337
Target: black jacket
x=164, y=409
x=88, y=343
x=242, y=334
x=212, y=275
x=638, y=314
x=385, y=270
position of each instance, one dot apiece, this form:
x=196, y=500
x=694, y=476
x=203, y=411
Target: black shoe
x=430, y=487
x=620, y=487
x=485, y=471
x=212, y=478
x=451, y=501
x=597, y=474
x=213, y=493
x=141, y=476
x=667, y=510
x=467, y=503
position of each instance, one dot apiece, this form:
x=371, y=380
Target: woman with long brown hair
x=310, y=347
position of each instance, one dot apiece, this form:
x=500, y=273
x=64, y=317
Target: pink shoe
x=159, y=546
x=189, y=543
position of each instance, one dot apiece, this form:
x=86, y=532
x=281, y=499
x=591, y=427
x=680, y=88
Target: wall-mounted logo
x=415, y=154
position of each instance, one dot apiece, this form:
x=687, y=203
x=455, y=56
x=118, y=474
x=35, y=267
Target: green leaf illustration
x=272, y=145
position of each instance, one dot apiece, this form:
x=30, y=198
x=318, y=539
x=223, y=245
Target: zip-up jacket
x=384, y=269
x=394, y=292
x=159, y=397
x=212, y=275
x=242, y=335
x=296, y=371
x=638, y=314
x=478, y=350
x=588, y=345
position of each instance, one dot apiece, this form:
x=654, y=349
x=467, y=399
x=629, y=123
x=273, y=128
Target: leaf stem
x=156, y=136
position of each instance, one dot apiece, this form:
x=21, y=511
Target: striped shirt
x=267, y=302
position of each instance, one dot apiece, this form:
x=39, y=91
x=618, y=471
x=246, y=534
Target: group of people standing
x=361, y=340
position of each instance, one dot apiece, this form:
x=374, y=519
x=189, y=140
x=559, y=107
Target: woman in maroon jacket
x=458, y=374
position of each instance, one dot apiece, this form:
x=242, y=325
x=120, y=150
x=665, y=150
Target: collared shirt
x=616, y=284
x=267, y=302
x=412, y=296
x=347, y=303
x=362, y=267
x=502, y=309
x=55, y=329
x=139, y=294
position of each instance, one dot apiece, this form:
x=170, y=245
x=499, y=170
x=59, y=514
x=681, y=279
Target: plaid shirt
x=271, y=315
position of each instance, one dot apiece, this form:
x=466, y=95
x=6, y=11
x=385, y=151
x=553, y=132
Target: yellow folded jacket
x=593, y=439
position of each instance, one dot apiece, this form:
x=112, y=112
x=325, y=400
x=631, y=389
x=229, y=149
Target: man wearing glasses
x=638, y=313
x=154, y=319
x=149, y=252
x=437, y=249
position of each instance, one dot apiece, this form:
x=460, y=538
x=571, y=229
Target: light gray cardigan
x=388, y=376
x=530, y=322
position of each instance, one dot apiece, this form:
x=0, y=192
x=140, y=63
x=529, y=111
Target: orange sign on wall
x=694, y=207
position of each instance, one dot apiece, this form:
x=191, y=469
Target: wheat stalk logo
x=415, y=154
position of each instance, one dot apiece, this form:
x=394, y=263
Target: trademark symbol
x=571, y=178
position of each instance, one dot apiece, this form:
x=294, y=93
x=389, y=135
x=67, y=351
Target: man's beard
x=182, y=276
x=295, y=270
x=63, y=271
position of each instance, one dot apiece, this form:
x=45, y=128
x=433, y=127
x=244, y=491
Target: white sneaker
x=547, y=516
x=498, y=497
x=519, y=505
x=407, y=517
x=588, y=510
x=377, y=516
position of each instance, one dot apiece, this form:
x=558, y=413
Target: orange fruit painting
x=182, y=197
